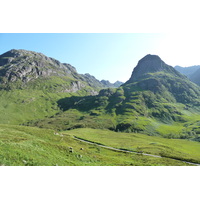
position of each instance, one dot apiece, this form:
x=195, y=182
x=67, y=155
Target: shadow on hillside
x=84, y=104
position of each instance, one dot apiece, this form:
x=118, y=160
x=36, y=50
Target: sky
x=108, y=56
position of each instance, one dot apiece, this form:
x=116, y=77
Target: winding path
x=129, y=151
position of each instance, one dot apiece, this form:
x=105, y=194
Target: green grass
x=144, y=112
x=19, y=106
x=167, y=129
x=172, y=148
x=29, y=146
x=187, y=128
x=48, y=107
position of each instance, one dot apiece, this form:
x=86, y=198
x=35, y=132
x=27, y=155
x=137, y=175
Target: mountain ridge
x=192, y=72
x=155, y=92
x=150, y=64
x=158, y=97
x=22, y=66
x=187, y=71
x=60, y=105
x=151, y=73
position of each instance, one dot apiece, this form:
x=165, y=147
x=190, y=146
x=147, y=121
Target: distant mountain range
x=187, y=71
x=192, y=72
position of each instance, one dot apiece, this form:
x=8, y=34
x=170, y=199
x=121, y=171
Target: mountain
x=117, y=84
x=150, y=64
x=28, y=65
x=187, y=71
x=25, y=69
x=92, y=81
x=151, y=73
x=155, y=96
x=40, y=91
x=192, y=72
x=107, y=84
x=195, y=77
x=28, y=69
x=32, y=83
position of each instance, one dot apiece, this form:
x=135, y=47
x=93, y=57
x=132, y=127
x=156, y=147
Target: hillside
x=152, y=74
x=156, y=100
x=31, y=146
x=28, y=69
x=75, y=119
x=32, y=83
x=195, y=77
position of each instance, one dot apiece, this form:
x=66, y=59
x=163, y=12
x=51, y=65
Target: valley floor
x=31, y=146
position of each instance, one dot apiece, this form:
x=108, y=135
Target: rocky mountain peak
x=151, y=64
x=28, y=65
x=23, y=69
x=21, y=53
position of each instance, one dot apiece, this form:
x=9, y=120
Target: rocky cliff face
x=92, y=81
x=28, y=65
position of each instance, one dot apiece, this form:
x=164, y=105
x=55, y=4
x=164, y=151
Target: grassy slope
x=127, y=111
x=174, y=148
x=20, y=145
x=19, y=106
x=188, y=128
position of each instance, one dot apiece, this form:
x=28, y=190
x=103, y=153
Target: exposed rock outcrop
x=152, y=74
x=29, y=65
x=151, y=64
x=23, y=67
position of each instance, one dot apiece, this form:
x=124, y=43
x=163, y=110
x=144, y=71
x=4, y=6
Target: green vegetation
x=117, y=110
x=170, y=148
x=152, y=112
x=31, y=146
x=27, y=146
x=18, y=106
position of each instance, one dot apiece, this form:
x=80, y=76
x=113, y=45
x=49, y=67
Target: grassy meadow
x=38, y=145
x=170, y=148
x=31, y=146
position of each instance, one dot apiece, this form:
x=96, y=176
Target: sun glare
x=180, y=49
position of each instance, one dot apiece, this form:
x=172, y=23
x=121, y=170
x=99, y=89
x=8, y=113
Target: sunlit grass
x=29, y=146
x=174, y=148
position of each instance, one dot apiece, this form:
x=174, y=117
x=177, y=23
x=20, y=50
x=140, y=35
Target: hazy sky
x=109, y=56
